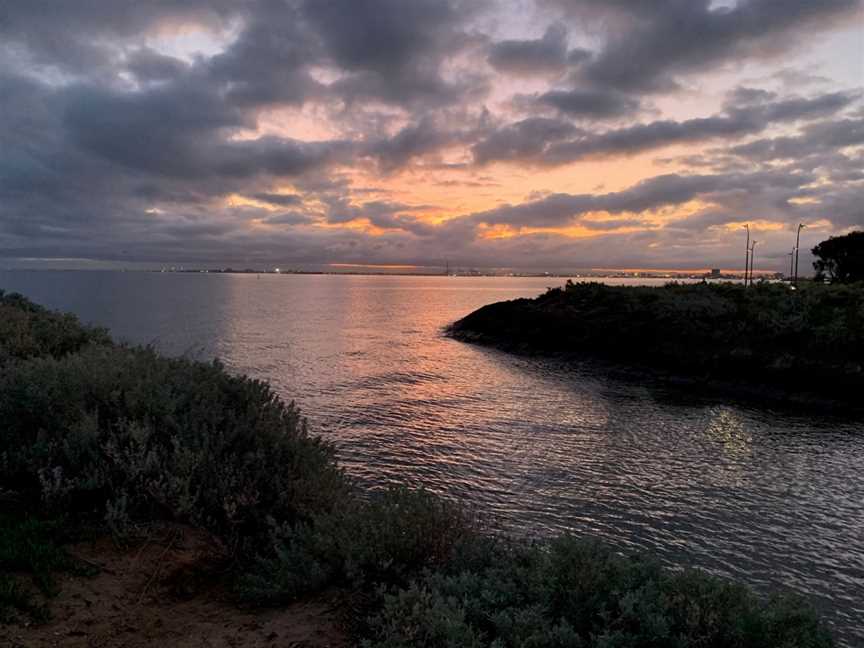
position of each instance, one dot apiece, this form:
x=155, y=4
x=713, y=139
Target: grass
x=116, y=438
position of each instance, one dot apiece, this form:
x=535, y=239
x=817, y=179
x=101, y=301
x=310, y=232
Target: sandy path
x=157, y=595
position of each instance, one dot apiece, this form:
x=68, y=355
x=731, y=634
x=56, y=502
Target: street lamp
x=797, y=241
x=746, y=253
x=752, y=258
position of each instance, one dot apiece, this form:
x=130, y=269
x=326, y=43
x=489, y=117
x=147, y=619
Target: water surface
x=772, y=498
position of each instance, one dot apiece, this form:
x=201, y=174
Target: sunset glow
x=385, y=133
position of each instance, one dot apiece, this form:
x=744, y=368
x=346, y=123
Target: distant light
x=278, y=270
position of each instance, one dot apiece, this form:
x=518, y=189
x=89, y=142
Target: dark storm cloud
x=412, y=141
x=544, y=55
x=181, y=131
x=556, y=146
x=524, y=140
x=393, y=50
x=380, y=213
x=149, y=65
x=283, y=200
x=590, y=103
x=276, y=156
x=165, y=130
x=672, y=37
x=72, y=35
x=814, y=139
x=290, y=218
x=560, y=210
x=381, y=35
x=269, y=61
x=404, y=222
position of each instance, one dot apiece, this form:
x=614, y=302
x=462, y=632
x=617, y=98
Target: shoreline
x=672, y=383
x=765, y=342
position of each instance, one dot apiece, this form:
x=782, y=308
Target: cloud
x=84, y=37
x=391, y=50
x=269, y=63
x=524, y=140
x=814, y=139
x=671, y=38
x=545, y=55
x=282, y=200
x=129, y=128
x=555, y=145
x=412, y=141
x=590, y=103
x=149, y=65
x=560, y=210
x=290, y=218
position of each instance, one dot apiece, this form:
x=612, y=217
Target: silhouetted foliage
x=840, y=259
x=809, y=339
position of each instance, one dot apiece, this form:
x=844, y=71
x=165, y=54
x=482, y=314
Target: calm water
x=774, y=499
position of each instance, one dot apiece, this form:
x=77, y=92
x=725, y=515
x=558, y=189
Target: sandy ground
x=163, y=593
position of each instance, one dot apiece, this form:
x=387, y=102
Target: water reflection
x=772, y=498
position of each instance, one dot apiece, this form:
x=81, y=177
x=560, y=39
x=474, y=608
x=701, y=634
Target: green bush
x=386, y=538
x=29, y=331
x=578, y=594
x=166, y=438
x=393, y=535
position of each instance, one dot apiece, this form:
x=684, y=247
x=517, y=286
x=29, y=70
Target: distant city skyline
x=525, y=134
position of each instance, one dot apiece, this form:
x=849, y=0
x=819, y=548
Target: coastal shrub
x=28, y=331
x=578, y=594
x=394, y=534
x=386, y=538
x=119, y=432
x=285, y=569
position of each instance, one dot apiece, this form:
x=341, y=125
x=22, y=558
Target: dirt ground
x=164, y=593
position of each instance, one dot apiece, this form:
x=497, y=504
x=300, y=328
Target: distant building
x=715, y=273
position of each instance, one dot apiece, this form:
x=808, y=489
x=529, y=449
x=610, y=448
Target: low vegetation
x=103, y=438
x=576, y=593
x=809, y=340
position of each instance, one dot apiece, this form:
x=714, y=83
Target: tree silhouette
x=840, y=259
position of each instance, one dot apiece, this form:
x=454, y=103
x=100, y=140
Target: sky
x=517, y=134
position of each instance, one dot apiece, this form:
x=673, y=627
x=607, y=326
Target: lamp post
x=746, y=254
x=752, y=258
x=797, y=241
